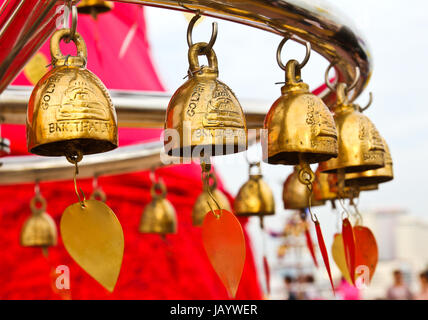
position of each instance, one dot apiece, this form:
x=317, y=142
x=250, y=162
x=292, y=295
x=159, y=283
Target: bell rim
x=367, y=181
x=254, y=214
x=352, y=168
x=293, y=157
x=58, y=148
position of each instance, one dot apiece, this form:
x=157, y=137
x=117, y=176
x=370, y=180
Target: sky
x=397, y=40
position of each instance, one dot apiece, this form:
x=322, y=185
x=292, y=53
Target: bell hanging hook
x=279, y=50
x=72, y=7
x=362, y=109
x=332, y=87
x=214, y=32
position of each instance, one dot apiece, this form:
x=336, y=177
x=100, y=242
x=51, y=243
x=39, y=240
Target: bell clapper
x=74, y=157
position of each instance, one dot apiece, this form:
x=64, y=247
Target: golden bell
x=325, y=186
x=371, y=177
x=360, y=145
x=159, y=215
x=295, y=194
x=40, y=229
x=299, y=124
x=204, y=203
x=255, y=198
x=70, y=110
x=204, y=118
x=94, y=7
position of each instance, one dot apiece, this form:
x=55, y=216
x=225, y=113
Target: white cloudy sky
x=396, y=34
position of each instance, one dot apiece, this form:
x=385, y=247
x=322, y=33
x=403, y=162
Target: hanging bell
x=295, y=194
x=255, y=198
x=159, y=215
x=373, y=177
x=70, y=111
x=94, y=7
x=325, y=186
x=360, y=145
x=40, y=229
x=204, y=117
x=299, y=124
x=204, y=203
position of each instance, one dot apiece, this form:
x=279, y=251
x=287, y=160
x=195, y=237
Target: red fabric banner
x=152, y=268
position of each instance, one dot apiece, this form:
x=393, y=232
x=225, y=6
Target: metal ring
x=38, y=198
x=98, y=193
x=73, y=23
x=214, y=32
x=306, y=180
x=158, y=186
x=368, y=103
x=75, y=156
x=279, y=50
x=333, y=87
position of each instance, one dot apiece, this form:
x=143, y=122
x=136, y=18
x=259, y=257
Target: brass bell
x=159, y=215
x=360, y=145
x=70, y=111
x=299, y=124
x=204, y=202
x=40, y=229
x=204, y=117
x=94, y=7
x=371, y=177
x=255, y=198
x=295, y=194
x=325, y=186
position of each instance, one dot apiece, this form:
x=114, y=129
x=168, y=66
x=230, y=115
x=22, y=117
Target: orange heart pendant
x=366, y=251
x=224, y=244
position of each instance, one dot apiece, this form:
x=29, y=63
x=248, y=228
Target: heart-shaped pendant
x=93, y=237
x=338, y=253
x=224, y=243
x=366, y=251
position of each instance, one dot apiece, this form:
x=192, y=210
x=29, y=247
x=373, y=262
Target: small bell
x=299, y=124
x=204, y=117
x=70, y=111
x=40, y=229
x=255, y=198
x=94, y=7
x=159, y=215
x=295, y=194
x=204, y=203
x=360, y=145
x=373, y=177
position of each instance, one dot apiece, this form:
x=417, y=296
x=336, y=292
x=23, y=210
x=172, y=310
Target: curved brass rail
x=328, y=34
